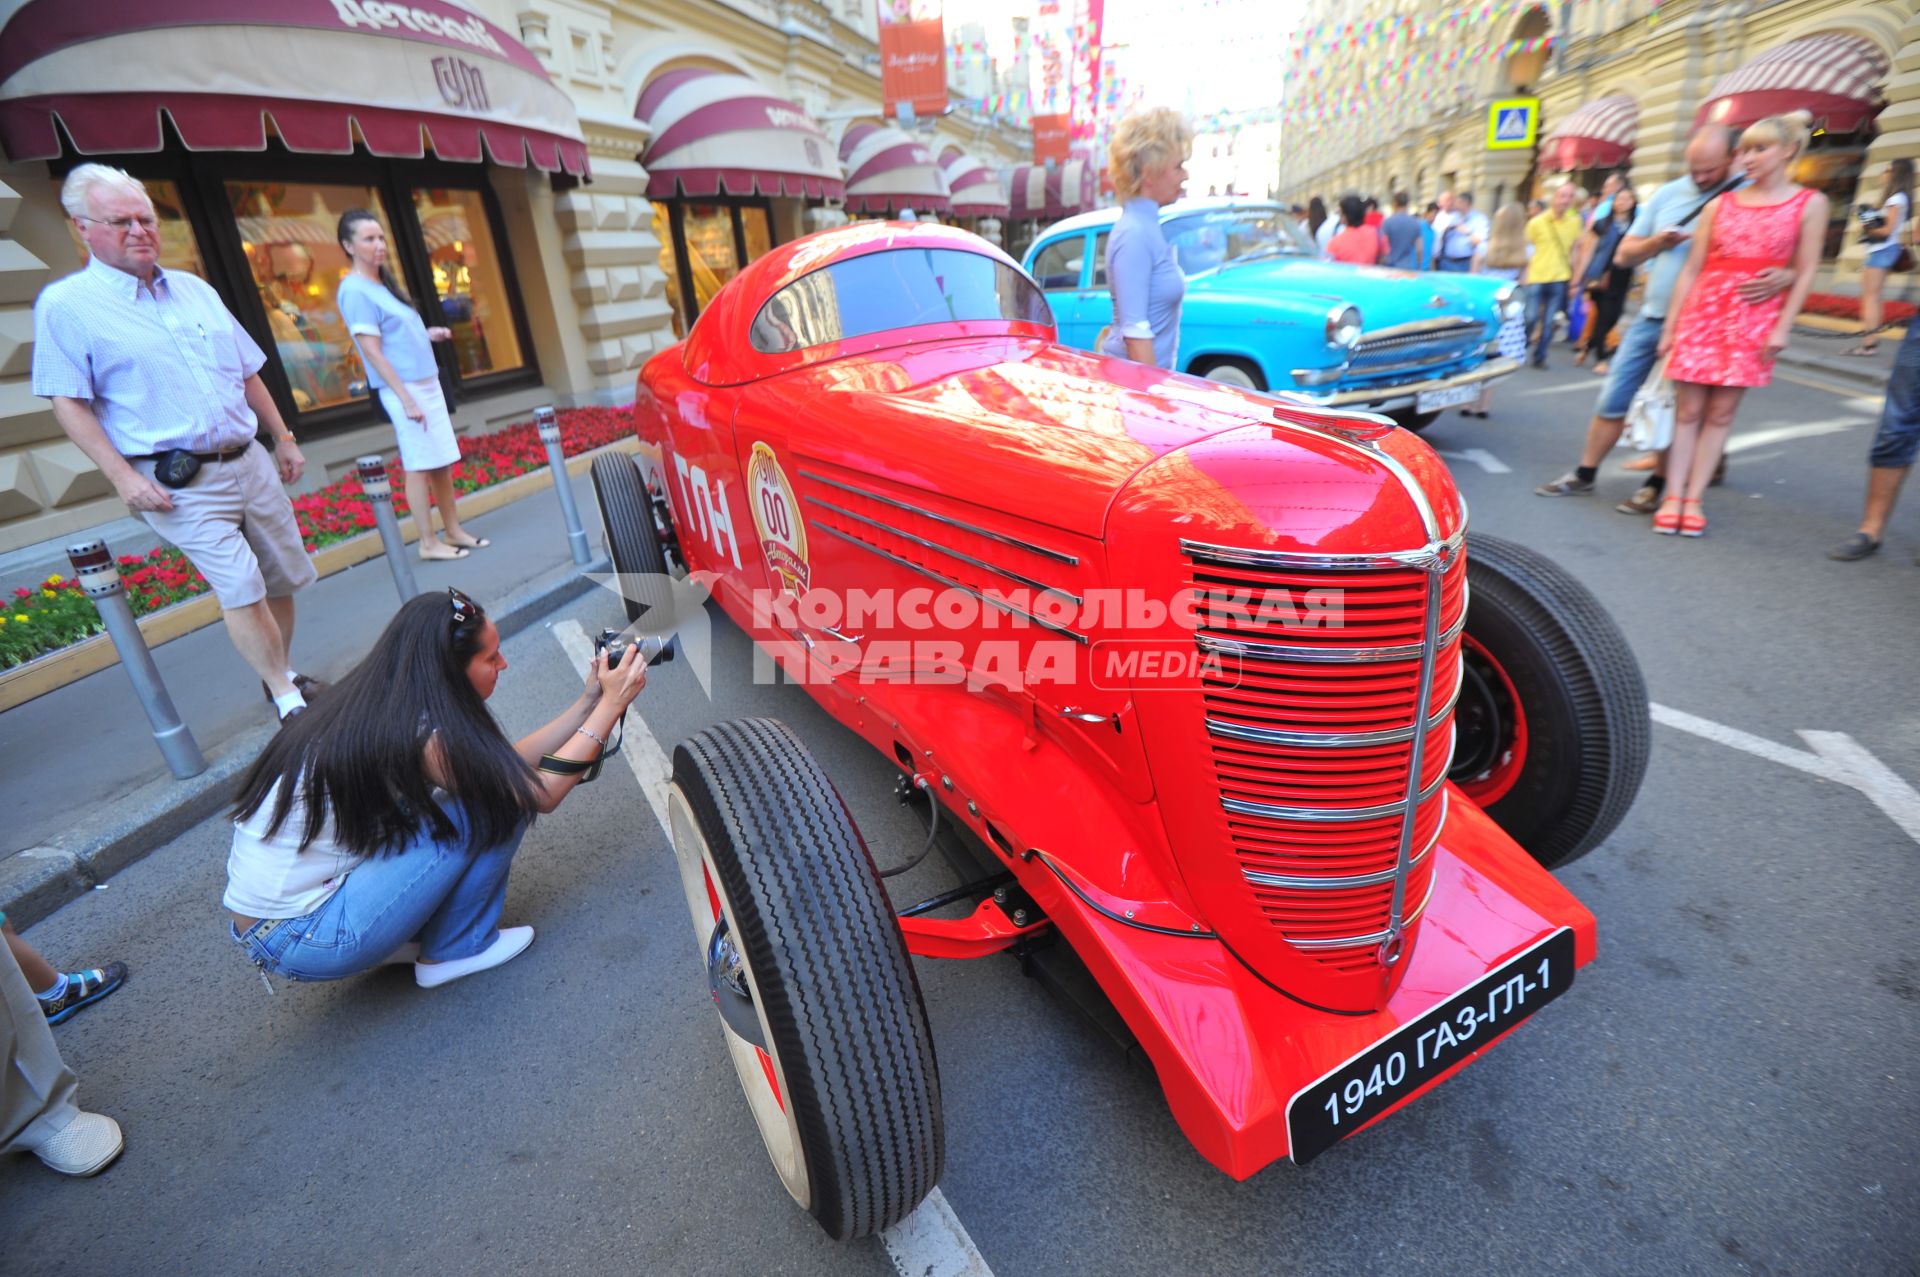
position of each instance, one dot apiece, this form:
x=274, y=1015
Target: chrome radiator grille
x=1414, y=349
x=1312, y=723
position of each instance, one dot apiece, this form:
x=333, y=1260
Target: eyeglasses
x=464, y=608
x=125, y=224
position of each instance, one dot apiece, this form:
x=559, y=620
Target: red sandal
x=1692, y=525
x=1667, y=522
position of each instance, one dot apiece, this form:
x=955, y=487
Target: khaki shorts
x=235, y=523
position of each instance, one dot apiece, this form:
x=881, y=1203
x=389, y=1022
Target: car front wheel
x=1552, y=728
x=1414, y=421
x=1231, y=372
x=819, y=1006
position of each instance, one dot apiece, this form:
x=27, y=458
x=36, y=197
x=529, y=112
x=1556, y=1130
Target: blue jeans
x=1897, y=441
x=1639, y=352
x=1544, y=301
x=1454, y=264
x=435, y=893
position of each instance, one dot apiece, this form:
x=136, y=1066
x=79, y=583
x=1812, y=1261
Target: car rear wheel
x=633, y=540
x=1552, y=729
x=818, y=1001
x=1414, y=421
x=1231, y=372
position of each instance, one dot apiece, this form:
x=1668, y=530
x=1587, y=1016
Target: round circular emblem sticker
x=776, y=513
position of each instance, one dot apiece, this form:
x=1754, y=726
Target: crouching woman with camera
x=379, y=825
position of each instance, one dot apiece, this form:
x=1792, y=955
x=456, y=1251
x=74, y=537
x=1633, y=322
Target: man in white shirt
x=146, y=366
x=1462, y=232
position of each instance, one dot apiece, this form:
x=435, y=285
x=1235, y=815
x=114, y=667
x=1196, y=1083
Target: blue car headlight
x=1508, y=304
x=1343, y=327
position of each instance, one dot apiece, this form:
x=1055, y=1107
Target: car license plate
x=1321, y=1115
x=1446, y=397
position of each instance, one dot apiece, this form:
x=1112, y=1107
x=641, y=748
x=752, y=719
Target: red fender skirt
x=1231, y=1051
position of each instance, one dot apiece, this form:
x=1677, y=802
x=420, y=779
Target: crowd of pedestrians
x=1729, y=252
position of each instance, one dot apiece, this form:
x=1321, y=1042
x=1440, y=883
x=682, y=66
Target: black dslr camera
x=1871, y=218
x=654, y=649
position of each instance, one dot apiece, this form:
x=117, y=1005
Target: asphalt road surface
x=1730, y=1088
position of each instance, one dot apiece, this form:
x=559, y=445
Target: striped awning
x=1833, y=75
x=719, y=131
x=977, y=191
x=889, y=170
x=1598, y=135
x=1044, y=195
x=399, y=78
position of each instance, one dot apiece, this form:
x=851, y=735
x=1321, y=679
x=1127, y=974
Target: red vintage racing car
x=1214, y=686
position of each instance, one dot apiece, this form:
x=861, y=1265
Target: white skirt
x=424, y=445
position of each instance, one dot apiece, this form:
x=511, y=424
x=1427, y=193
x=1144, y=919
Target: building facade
x=1391, y=94
x=564, y=233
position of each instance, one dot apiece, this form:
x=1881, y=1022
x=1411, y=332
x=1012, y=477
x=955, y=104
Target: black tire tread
x=633, y=542
x=1608, y=690
x=836, y=983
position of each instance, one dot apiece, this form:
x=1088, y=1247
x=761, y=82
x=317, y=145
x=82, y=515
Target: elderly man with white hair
x=160, y=386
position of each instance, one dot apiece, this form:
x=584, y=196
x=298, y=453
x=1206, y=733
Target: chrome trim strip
x=1057, y=556
x=1293, y=882
x=1332, y=815
x=1333, y=740
x=949, y=551
x=1355, y=942
x=1438, y=325
x=1421, y=558
x=948, y=581
x=1492, y=370
x=1248, y=650
x=1436, y=587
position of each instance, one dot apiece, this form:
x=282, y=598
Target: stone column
x=615, y=277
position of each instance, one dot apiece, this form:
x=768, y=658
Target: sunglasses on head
x=464, y=608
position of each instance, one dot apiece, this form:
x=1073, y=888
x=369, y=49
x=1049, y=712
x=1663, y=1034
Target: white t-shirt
x=1898, y=202
x=270, y=877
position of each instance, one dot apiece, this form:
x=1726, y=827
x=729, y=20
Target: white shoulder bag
x=1650, y=416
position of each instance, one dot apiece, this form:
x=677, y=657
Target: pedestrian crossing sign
x=1512, y=123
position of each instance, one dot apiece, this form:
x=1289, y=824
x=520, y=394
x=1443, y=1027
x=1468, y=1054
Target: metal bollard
x=100, y=580
x=549, y=427
x=374, y=482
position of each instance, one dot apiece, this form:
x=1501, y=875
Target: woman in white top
x=379, y=825
x=1883, y=250
x=396, y=348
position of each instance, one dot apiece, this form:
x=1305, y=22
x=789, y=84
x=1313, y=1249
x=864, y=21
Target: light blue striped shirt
x=164, y=367
x=1146, y=283
x=371, y=311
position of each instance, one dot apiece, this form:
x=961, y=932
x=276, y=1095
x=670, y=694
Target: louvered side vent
x=1311, y=729
x=948, y=551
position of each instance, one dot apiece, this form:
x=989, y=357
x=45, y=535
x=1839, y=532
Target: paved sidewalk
x=86, y=790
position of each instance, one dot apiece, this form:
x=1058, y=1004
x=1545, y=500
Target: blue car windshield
x=898, y=288
x=1203, y=241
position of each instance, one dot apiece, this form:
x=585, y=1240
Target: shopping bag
x=1650, y=415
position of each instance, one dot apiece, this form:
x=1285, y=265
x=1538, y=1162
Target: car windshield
x=898, y=288
x=1202, y=241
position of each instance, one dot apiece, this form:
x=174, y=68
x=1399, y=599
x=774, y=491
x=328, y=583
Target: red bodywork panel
x=981, y=457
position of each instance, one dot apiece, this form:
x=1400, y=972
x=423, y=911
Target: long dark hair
x=344, y=233
x=1316, y=214
x=1900, y=181
x=357, y=752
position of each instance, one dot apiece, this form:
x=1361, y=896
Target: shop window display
x=287, y=234
x=470, y=282
x=1834, y=165
x=710, y=249
x=178, y=248
x=663, y=231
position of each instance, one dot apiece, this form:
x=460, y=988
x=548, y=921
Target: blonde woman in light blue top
x=396, y=347
x=1147, y=158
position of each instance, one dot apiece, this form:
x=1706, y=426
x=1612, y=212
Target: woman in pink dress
x=1717, y=344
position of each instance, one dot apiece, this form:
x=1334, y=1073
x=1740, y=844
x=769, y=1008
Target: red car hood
x=1027, y=426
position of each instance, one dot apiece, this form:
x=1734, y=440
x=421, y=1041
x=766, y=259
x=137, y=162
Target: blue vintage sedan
x=1262, y=310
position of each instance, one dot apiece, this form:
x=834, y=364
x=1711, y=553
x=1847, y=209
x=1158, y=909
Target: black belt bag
x=176, y=467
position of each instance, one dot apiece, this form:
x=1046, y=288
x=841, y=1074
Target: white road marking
x=1742, y=441
x=931, y=1242
x=641, y=750
x=1835, y=756
x=1479, y=457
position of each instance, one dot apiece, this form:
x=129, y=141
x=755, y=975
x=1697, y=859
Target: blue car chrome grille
x=1416, y=352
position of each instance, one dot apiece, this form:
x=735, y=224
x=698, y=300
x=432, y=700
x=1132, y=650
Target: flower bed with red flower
x=1836, y=306
x=53, y=614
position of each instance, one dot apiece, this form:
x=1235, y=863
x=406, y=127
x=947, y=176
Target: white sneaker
x=83, y=1146
x=508, y=945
